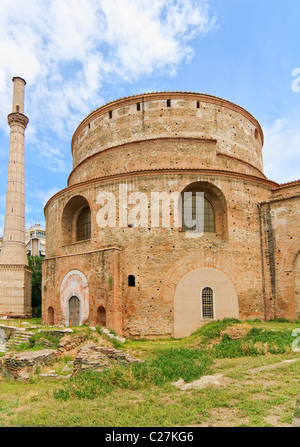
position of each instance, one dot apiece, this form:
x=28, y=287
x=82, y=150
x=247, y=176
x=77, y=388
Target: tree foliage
x=35, y=263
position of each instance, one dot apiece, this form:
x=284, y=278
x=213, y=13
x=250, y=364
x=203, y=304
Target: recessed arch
x=101, y=316
x=206, y=204
x=76, y=220
x=74, y=284
x=188, y=304
x=50, y=316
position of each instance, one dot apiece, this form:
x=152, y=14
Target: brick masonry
x=150, y=145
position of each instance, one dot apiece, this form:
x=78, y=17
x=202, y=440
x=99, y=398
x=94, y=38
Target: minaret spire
x=13, y=249
x=15, y=275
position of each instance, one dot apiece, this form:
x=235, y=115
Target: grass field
x=258, y=388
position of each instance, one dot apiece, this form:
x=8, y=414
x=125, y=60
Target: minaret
x=15, y=296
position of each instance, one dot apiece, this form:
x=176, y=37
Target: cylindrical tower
x=15, y=275
x=13, y=249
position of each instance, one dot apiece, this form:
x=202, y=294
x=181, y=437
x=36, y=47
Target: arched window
x=76, y=221
x=131, y=281
x=207, y=304
x=84, y=224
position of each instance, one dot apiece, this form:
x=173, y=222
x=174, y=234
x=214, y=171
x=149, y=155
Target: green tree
x=35, y=263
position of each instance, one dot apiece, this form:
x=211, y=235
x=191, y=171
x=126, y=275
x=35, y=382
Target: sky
x=77, y=55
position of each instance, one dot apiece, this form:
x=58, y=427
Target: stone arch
x=297, y=286
x=101, y=316
x=215, y=206
x=188, y=314
x=74, y=284
x=196, y=260
x=76, y=220
x=50, y=316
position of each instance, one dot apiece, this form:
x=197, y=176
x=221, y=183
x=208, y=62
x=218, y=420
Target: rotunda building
x=168, y=221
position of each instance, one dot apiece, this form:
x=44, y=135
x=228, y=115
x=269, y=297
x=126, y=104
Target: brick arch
x=195, y=261
x=74, y=284
x=216, y=198
x=190, y=305
x=70, y=215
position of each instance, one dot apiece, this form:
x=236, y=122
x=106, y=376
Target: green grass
x=168, y=366
x=256, y=342
x=142, y=394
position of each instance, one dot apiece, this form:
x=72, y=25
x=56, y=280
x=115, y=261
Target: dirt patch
x=236, y=332
x=272, y=366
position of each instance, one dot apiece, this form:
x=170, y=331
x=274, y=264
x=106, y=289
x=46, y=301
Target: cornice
x=17, y=118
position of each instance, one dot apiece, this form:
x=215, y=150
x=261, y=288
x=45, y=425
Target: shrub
x=256, y=342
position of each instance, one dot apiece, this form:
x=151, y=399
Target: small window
x=168, y=103
x=198, y=104
x=110, y=114
x=138, y=106
x=131, y=281
x=18, y=108
x=207, y=304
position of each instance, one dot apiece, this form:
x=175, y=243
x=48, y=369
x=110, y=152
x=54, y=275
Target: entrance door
x=74, y=308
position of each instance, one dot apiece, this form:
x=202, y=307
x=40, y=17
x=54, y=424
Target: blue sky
x=79, y=54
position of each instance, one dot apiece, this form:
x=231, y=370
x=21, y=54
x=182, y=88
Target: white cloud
x=65, y=49
x=44, y=196
x=282, y=150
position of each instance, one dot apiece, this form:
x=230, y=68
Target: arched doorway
x=50, y=316
x=203, y=295
x=74, y=311
x=74, y=284
x=297, y=286
x=101, y=316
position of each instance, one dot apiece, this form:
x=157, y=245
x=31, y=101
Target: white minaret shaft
x=13, y=248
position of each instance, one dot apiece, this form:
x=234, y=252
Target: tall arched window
x=84, y=224
x=76, y=221
x=203, y=208
x=207, y=304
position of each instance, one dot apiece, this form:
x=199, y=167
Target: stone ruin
x=88, y=356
